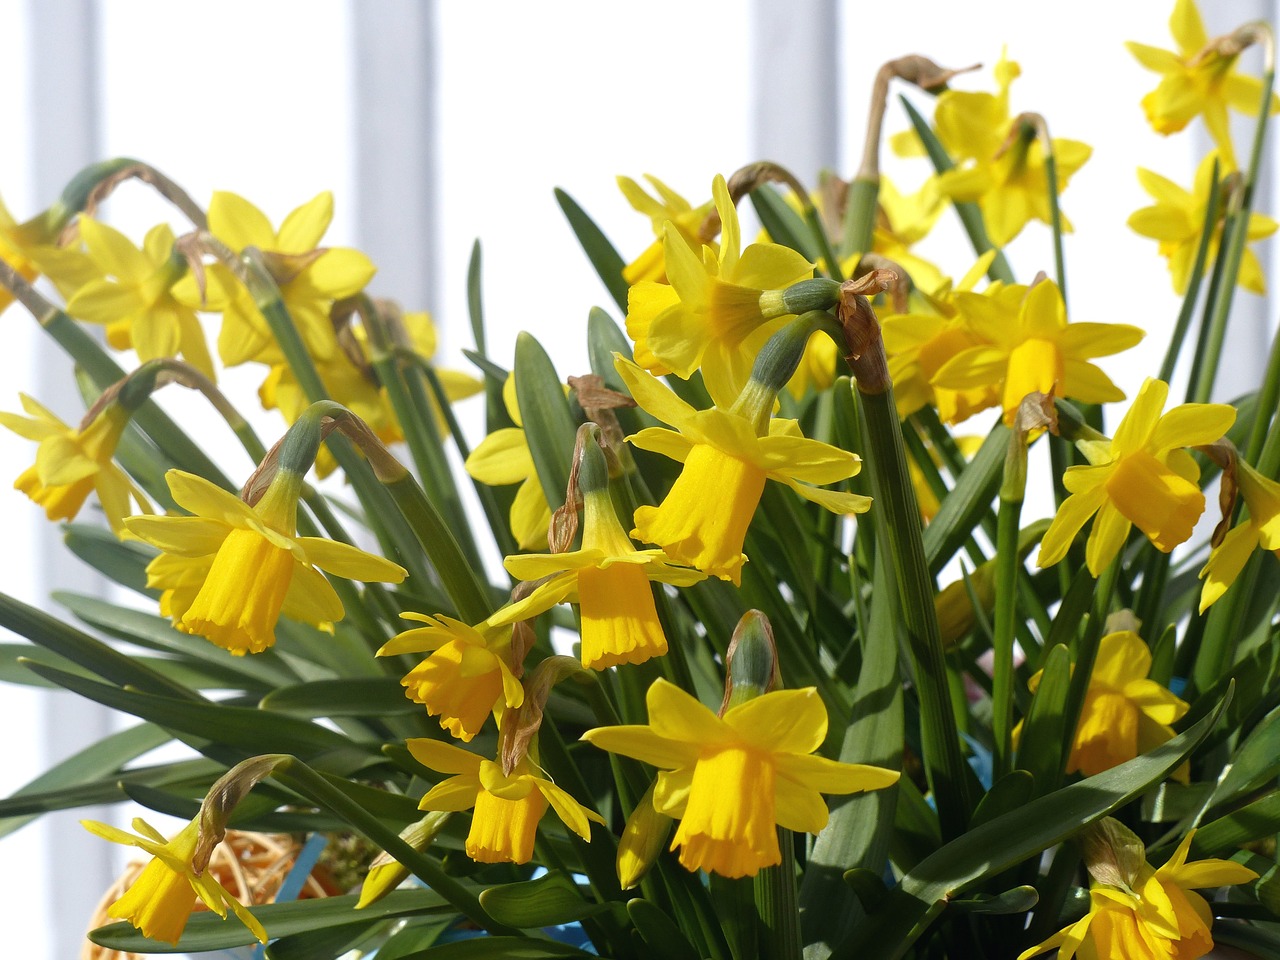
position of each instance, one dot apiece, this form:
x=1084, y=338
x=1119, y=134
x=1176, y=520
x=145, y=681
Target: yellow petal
x=303, y=228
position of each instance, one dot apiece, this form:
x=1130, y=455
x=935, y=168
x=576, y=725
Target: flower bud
x=751, y=661
x=643, y=840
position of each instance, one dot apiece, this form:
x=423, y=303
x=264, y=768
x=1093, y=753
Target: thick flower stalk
x=257, y=567
x=1140, y=477
x=1261, y=529
x=133, y=295
x=467, y=676
x=608, y=578
x=1144, y=913
x=732, y=780
x=1199, y=79
x=71, y=463
x=1176, y=220
x=504, y=457
x=1124, y=713
x=703, y=520
x=504, y=823
x=1028, y=346
x=719, y=307
x=160, y=901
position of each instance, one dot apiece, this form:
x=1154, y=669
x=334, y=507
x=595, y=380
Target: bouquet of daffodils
x=776, y=663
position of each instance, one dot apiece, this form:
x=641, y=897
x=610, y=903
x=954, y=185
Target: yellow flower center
x=454, y=684
x=1035, y=366
x=729, y=824
x=1162, y=504
x=619, y=619
x=502, y=831
x=239, y=603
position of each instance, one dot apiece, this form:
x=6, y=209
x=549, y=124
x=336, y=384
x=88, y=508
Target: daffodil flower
x=1156, y=915
x=703, y=520
x=720, y=307
x=1141, y=476
x=732, y=780
x=1034, y=349
x=31, y=249
x=1197, y=81
x=1124, y=714
x=1260, y=529
x=507, y=808
x=609, y=580
x=259, y=568
x=1176, y=219
x=133, y=296
x=504, y=457
x=160, y=901
x=71, y=463
x=466, y=675
x=667, y=207
x=310, y=277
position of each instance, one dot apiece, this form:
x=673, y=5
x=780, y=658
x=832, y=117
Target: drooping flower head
x=703, y=520
x=160, y=901
x=1028, y=346
x=1143, y=913
x=507, y=807
x=608, y=578
x=1176, y=219
x=733, y=780
x=467, y=674
x=1198, y=80
x=1142, y=477
x=257, y=568
x=1124, y=713
x=71, y=463
x=1261, y=529
x=720, y=307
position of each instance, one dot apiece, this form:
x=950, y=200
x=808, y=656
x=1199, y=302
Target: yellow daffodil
x=666, y=207
x=133, y=295
x=1124, y=714
x=1198, y=80
x=732, y=780
x=1260, y=529
x=1155, y=915
x=609, y=580
x=1142, y=476
x=902, y=221
x=703, y=520
x=1177, y=220
x=467, y=673
x=160, y=901
x=504, y=457
x=1034, y=349
x=259, y=567
x=919, y=344
x=310, y=277
x=719, y=309
x=349, y=378
x=31, y=248
x=507, y=808
x=73, y=462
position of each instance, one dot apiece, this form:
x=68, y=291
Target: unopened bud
x=751, y=661
x=642, y=842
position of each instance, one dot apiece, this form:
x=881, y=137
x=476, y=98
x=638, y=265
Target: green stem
x=778, y=906
x=1007, y=564
x=1264, y=408
x=945, y=768
x=1183, y=324
x=1055, y=214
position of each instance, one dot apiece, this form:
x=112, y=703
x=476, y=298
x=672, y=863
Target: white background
x=436, y=123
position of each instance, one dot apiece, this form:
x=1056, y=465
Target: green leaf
x=548, y=422
x=1006, y=795
x=122, y=561
x=1008, y=840
x=367, y=697
x=550, y=900
x=660, y=932
x=1256, y=761
x=100, y=759
x=500, y=948
x=415, y=937
x=1043, y=738
x=968, y=501
x=783, y=224
x=208, y=931
x=1017, y=900
x=606, y=260
x=242, y=728
x=1223, y=836
x=475, y=297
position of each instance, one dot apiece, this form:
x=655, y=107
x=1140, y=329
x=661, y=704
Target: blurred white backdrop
x=436, y=123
